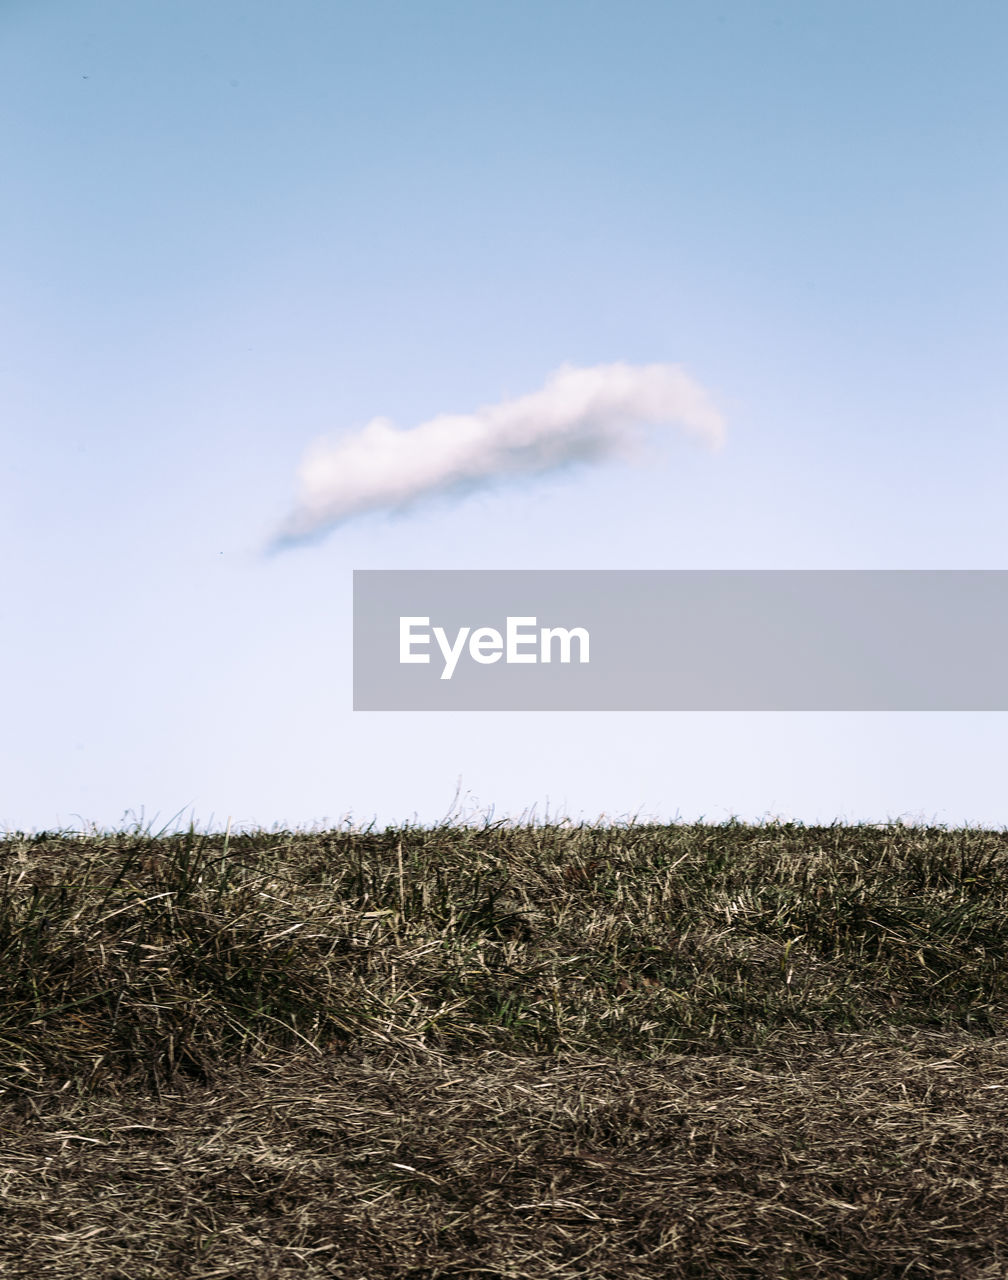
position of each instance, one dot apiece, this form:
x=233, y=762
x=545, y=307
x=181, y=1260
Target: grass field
x=505, y=1051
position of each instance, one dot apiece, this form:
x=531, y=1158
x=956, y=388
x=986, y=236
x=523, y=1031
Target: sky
x=237, y=236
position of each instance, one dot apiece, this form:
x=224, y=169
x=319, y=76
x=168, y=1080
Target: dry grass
x=505, y=1051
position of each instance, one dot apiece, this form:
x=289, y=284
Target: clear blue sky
x=230, y=228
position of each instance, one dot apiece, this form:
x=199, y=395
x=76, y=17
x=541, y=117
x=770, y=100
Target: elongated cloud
x=581, y=414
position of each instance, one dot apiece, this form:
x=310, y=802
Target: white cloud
x=581, y=414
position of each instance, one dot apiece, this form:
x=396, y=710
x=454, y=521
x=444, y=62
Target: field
x=612, y=1051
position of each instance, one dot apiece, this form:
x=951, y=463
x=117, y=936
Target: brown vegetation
x=556, y=1052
